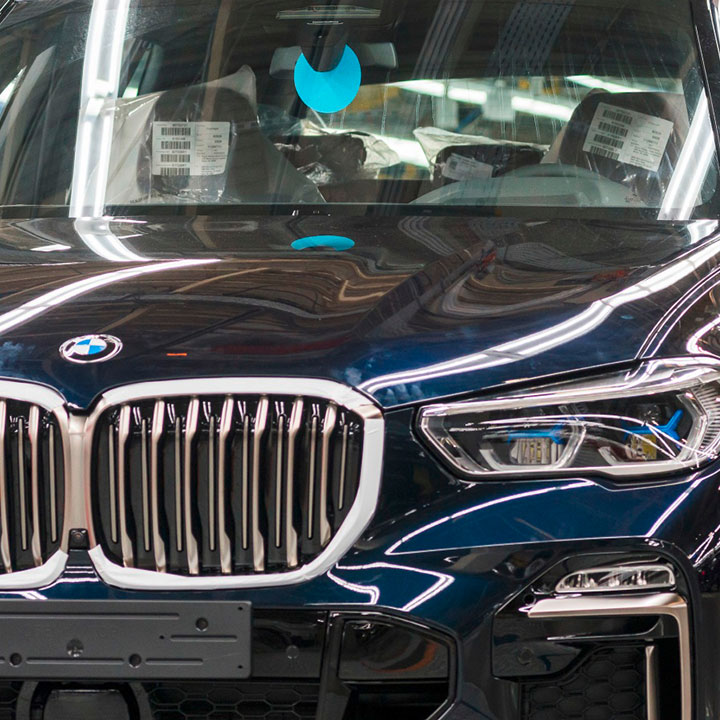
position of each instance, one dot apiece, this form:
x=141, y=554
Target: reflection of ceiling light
x=553, y=336
x=50, y=248
x=477, y=93
x=542, y=108
x=409, y=151
x=597, y=83
x=691, y=168
x=6, y=94
x=468, y=95
x=43, y=303
x=101, y=78
x=330, y=12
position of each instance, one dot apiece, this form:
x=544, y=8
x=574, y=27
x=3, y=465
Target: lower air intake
x=223, y=485
x=609, y=684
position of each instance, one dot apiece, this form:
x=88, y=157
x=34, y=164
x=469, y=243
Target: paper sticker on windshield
x=190, y=149
x=459, y=167
x=629, y=137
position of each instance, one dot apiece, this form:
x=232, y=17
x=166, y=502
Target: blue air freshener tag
x=332, y=91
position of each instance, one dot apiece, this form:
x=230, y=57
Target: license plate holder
x=125, y=640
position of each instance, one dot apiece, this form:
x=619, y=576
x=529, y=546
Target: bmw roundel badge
x=91, y=348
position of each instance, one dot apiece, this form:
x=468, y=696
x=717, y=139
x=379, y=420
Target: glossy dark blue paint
x=419, y=308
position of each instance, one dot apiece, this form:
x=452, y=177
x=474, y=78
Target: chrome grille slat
x=178, y=485
x=158, y=425
x=263, y=500
x=258, y=433
x=145, y=485
x=328, y=427
x=34, y=438
x=188, y=495
x=112, y=483
x=53, y=484
x=211, y=481
x=343, y=468
x=311, y=476
x=291, y=538
x=21, y=483
x=280, y=451
x=245, y=483
x=123, y=436
x=4, y=525
x=223, y=539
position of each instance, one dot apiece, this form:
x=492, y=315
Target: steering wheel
x=556, y=170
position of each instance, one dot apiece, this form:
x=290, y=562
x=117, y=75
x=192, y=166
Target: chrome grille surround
x=336, y=541
x=77, y=430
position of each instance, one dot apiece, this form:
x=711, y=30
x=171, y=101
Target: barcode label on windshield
x=628, y=136
x=190, y=149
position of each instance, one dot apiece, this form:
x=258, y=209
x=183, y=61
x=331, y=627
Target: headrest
x=631, y=138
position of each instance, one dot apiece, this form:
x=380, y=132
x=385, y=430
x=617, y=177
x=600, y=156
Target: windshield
x=128, y=106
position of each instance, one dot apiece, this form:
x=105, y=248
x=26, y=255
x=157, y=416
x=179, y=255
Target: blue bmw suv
x=359, y=360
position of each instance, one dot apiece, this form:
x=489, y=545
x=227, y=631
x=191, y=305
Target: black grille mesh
x=224, y=485
x=31, y=486
x=608, y=685
x=9, y=694
x=231, y=701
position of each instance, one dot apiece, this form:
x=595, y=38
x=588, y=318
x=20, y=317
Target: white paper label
x=459, y=167
x=629, y=137
x=185, y=149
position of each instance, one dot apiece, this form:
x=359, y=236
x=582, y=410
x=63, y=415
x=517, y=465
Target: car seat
x=254, y=172
x=647, y=185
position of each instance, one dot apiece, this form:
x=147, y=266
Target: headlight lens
x=662, y=417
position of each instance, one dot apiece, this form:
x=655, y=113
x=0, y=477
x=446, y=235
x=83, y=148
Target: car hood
x=418, y=308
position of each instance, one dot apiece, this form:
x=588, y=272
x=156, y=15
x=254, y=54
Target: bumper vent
x=223, y=485
x=31, y=486
x=260, y=701
x=608, y=685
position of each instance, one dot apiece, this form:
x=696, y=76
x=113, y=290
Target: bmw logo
x=91, y=348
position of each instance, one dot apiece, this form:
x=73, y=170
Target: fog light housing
x=622, y=578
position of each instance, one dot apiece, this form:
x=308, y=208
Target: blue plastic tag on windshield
x=332, y=91
x=336, y=242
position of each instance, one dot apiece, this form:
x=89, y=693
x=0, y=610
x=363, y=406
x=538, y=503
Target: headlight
x=662, y=417
x=621, y=578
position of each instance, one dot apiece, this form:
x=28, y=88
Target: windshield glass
x=124, y=106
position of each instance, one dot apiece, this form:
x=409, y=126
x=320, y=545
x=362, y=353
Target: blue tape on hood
x=336, y=242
